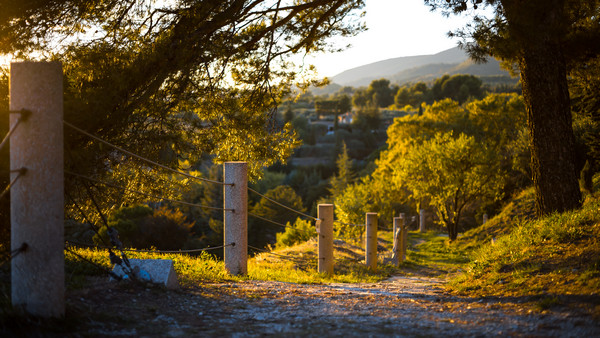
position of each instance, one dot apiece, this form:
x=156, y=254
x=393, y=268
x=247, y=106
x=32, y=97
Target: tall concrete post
x=403, y=236
x=397, y=237
x=325, y=231
x=422, y=220
x=235, y=219
x=371, y=241
x=37, y=199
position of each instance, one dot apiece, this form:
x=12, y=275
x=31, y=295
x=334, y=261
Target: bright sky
x=395, y=28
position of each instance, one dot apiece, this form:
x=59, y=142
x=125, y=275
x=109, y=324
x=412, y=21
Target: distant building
x=345, y=118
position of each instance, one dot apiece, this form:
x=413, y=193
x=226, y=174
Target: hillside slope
x=418, y=68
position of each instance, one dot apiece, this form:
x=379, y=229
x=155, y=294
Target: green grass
x=555, y=255
x=297, y=264
x=191, y=270
x=433, y=253
x=513, y=255
x=301, y=266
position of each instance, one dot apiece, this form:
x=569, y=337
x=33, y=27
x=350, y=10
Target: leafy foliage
x=544, y=40
x=173, y=81
x=451, y=173
x=301, y=231
x=345, y=175
x=490, y=137
x=143, y=228
x=261, y=232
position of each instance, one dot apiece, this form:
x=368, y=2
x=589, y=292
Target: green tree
x=402, y=97
x=360, y=98
x=451, y=173
x=288, y=115
x=336, y=106
x=345, y=175
x=543, y=38
x=261, y=232
x=173, y=80
x=584, y=86
x=380, y=94
x=143, y=227
x=300, y=231
x=457, y=87
x=367, y=118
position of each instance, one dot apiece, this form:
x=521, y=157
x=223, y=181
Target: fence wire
x=279, y=224
x=270, y=221
x=14, y=253
x=108, y=271
x=20, y=172
x=349, y=224
x=142, y=158
x=75, y=243
x=293, y=259
x=24, y=115
x=282, y=205
x=143, y=193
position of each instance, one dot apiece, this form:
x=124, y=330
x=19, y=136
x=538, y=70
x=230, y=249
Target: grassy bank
x=550, y=261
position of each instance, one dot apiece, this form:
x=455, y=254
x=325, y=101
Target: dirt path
x=400, y=306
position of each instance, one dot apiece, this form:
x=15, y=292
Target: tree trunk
x=544, y=80
x=452, y=230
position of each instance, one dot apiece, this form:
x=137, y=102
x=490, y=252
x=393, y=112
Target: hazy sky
x=396, y=28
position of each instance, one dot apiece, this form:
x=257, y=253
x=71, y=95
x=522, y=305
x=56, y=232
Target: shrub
x=143, y=227
x=300, y=232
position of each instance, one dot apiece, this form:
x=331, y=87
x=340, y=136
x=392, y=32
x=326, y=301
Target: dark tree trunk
x=544, y=80
x=452, y=228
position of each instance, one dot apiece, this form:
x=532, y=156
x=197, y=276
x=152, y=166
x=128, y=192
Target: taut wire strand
x=281, y=205
x=274, y=254
x=152, y=251
x=112, y=274
x=350, y=224
x=268, y=220
x=24, y=115
x=142, y=158
x=143, y=193
x=20, y=172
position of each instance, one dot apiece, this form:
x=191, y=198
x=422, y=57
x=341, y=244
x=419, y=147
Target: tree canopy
x=175, y=80
x=544, y=39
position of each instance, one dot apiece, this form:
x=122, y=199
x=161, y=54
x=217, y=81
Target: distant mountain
x=419, y=68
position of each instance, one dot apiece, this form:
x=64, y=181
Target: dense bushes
x=300, y=232
x=143, y=227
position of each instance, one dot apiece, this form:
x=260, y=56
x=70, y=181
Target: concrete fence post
x=371, y=240
x=37, y=198
x=404, y=237
x=235, y=219
x=422, y=220
x=325, y=243
x=397, y=235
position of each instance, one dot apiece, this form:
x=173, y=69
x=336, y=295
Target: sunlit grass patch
x=190, y=270
x=521, y=208
x=299, y=264
x=432, y=253
x=556, y=255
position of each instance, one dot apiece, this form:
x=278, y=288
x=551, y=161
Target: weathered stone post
x=422, y=220
x=371, y=241
x=37, y=199
x=485, y=218
x=235, y=219
x=325, y=243
x=397, y=236
x=403, y=236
